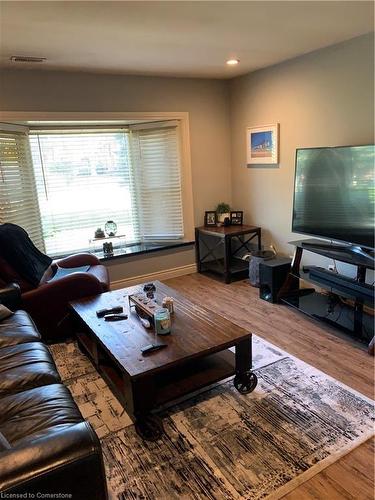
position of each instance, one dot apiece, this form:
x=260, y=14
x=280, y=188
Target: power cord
x=333, y=302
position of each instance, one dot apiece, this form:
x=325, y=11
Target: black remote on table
x=113, y=310
x=152, y=347
x=115, y=317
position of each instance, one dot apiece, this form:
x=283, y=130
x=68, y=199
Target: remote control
x=115, y=317
x=114, y=310
x=152, y=347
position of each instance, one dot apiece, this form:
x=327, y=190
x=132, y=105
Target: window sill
x=142, y=248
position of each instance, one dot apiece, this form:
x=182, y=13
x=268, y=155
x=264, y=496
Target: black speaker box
x=272, y=275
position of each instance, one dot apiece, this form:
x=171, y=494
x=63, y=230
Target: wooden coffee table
x=197, y=354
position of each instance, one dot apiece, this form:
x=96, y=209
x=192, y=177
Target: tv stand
x=352, y=254
x=320, y=244
x=341, y=305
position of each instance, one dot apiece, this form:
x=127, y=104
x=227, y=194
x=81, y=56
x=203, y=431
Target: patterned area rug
x=220, y=444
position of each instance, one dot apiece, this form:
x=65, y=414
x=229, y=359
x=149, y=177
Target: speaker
x=272, y=275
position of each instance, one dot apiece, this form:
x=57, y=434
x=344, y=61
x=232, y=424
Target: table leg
x=245, y=380
x=291, y=284
x=149, y=426
x=227, y=256
x=197, y=250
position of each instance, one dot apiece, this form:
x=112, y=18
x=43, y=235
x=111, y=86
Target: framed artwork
x=262, y=145
x=210, y=218
x=236, y=218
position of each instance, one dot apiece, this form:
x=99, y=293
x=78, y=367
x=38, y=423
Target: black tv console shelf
x=346, y=305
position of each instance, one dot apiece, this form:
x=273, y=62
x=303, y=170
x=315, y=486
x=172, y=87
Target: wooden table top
x=196, y=331
x=228, y=230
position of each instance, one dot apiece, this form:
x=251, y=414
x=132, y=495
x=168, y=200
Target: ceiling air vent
x=27, y=59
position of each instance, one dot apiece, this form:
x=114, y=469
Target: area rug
x=220, y=444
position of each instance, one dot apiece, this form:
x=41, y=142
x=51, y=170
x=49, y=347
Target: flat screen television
x=334, y=194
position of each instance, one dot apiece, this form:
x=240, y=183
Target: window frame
x=41, y=119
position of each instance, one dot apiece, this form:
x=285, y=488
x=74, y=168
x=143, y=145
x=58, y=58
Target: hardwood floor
x=351, y=477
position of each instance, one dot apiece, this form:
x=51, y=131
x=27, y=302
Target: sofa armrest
x=68, y=462
x=10, y=296
x=64, y=290
x=78, y=260
x=48, y=304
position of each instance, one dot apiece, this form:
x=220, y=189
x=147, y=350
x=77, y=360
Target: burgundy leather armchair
x=48, y=303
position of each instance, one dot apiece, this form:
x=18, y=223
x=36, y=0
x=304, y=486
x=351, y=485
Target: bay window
x=71, y=181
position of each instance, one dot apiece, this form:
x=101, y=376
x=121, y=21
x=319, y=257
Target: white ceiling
x=175, y=38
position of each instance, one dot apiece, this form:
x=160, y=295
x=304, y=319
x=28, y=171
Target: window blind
x=18, y=198
x=156, y=157
x=83, y=179
x=129, y=175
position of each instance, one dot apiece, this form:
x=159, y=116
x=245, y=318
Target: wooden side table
x=219, y=249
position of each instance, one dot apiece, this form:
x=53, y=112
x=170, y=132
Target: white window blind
x=83, y=179
x=18, y=199
x=156, y=159
x=86, y=177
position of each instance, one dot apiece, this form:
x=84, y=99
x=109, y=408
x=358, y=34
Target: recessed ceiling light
x=233, y=62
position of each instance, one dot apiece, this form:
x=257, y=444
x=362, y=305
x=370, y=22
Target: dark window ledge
x=142, y=248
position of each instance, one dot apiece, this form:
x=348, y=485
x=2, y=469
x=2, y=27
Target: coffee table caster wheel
x=246, y=382
x=150, y=427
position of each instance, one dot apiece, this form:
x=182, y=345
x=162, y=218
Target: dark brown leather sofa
x=46, y=447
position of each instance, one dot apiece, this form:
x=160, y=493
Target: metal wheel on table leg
x=149, y=427
x=245, y=382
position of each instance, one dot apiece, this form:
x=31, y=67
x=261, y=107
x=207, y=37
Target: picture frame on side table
x=262, y=145
x=210, y=218
x=236, y=218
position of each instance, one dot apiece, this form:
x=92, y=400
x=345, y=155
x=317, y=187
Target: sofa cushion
x=25, y=366
x=36, y=413
x=18, y=329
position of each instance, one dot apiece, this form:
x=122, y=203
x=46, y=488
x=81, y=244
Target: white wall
x=325, y=98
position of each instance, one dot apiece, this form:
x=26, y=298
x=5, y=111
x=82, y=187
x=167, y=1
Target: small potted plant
x=223, y=211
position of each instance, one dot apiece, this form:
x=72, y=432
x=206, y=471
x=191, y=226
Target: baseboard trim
x=160, y=275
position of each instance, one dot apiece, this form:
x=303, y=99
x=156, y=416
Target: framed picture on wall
x=262, y=145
